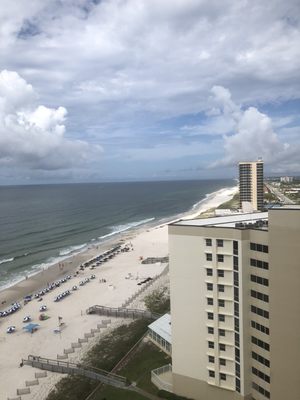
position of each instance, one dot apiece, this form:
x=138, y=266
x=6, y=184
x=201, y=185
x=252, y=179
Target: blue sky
x=147, y=89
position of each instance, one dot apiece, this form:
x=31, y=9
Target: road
x=281, y=197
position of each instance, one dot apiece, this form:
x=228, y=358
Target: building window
x=208, y=242
x=235, y=263
x=210, y=330
x=209, y=272
x=236, y=309
x=236, y=294
x=221, y=303
x=220, y=243
x=259, y=263
x=260, y=296
x=220, y=273
x=221, y=288
x=238, y=385
x=222, y=347
x=235, y=248
x=260, y=327
x=222, y=332
x=260, y=359
x=211, y=374
x=211, y=359
x=260, y=343
x=237, y=355
x=221, y=317
x=261, y=390
x=209, y=286
x=210, y=301
x=265, y=249
x=236, y=324
x=222, y=361
x=208, y=257
x=260, y=311
x=259, y=280
x=235, y=278
x=211, y=345
x=220, y=257
x=223, y=377
x=210, y=315
x=259, y=247
x=261, y=375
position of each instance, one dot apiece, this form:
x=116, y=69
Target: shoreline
x=115, y=281
x=39, y=279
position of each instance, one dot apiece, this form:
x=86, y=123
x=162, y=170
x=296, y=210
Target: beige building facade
x=235, y=304
x=251, y=185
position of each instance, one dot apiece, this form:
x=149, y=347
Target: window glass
x=220, y=257
x=208, y=257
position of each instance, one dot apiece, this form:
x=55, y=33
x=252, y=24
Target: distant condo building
x=286, y=179
x=235, y=304
x=251, y=177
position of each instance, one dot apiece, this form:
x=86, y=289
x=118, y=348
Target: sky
x=108, y=90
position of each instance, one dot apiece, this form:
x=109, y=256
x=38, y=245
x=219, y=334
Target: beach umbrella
x=31, y=327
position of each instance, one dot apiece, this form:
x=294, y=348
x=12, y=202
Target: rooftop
x=162, y=327
x=229, y=221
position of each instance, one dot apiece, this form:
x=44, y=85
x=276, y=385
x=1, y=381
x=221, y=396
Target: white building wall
x=189, y=331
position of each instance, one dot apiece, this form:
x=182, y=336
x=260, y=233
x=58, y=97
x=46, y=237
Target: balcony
x=162, y=378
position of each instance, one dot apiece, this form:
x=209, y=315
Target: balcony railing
x=162, y=378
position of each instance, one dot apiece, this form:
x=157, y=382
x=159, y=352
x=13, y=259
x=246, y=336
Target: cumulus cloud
x=130, y=66
x=33, y=135
x=253, y=134
x=161, y=52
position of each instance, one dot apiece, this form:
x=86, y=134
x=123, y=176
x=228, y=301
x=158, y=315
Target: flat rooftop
x=229, y=221
x=162, y=327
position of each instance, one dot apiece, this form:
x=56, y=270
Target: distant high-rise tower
x=251, y=176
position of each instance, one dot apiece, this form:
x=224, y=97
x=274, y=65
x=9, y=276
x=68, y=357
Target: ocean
x=43, y=224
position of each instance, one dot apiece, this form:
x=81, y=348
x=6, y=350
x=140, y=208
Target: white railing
x=157, y=378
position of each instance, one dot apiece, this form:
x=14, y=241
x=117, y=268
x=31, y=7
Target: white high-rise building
x=235, y=306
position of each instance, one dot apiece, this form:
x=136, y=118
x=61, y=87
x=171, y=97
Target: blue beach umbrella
x=31, y=327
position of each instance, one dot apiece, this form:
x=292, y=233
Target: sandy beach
x=121, y=275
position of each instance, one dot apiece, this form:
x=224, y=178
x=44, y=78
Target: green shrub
x=158, y=301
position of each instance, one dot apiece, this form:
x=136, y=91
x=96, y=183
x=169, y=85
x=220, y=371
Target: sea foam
x=122, y=228
x=6, y=260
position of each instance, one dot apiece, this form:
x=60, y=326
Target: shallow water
x=42, y=224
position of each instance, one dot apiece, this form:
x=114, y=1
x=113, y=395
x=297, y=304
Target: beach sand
x=117, y=289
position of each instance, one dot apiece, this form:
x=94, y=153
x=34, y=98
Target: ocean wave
x=12, y=280
x=6, y=260
x=70, y=250
x=122, y=228
x=21, y=256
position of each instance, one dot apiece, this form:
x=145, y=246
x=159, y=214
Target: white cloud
x=126, y=65
x=33, y=136
x=176, y=47
x=253, y=136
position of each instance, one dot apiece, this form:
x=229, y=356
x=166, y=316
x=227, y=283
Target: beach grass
x=110, y=350
x=137, y=369
x=104, y=355
x=233, y=203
